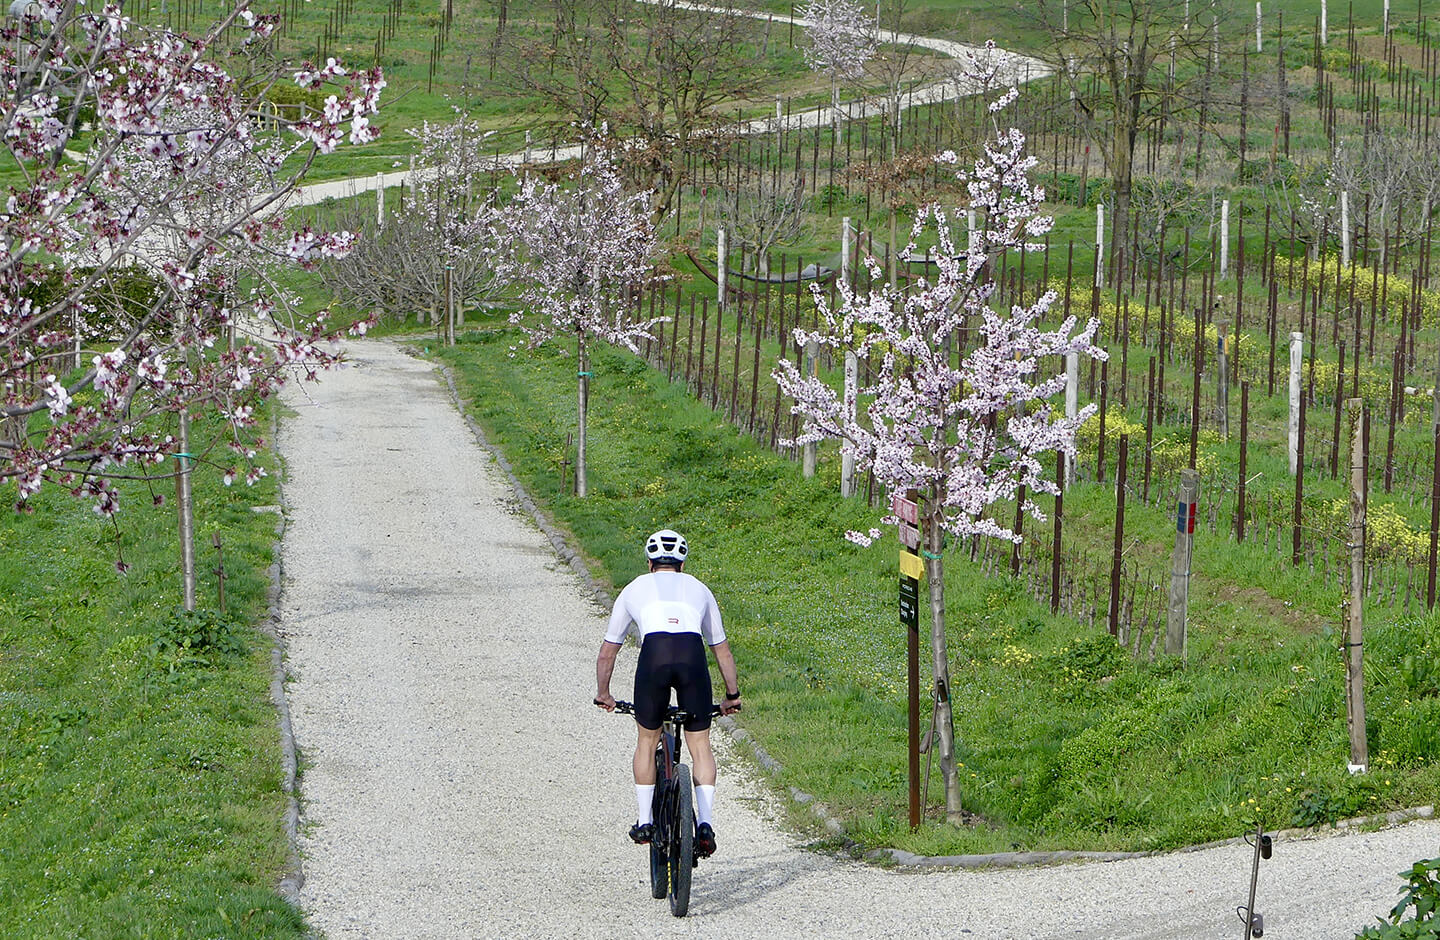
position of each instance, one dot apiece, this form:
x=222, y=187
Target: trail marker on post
x=907, y=511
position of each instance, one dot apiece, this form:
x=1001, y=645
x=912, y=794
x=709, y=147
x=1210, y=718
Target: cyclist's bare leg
x=645, y=743
x=701, y=757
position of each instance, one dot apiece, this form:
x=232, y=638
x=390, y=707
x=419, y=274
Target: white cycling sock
x=704, y=801
x=644, y=794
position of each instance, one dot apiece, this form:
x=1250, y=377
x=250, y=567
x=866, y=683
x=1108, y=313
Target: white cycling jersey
x=666, y=602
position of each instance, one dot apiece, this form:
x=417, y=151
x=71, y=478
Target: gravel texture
x=458, y=783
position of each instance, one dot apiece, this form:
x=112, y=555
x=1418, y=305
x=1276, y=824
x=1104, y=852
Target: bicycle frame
x=671, y=848
x=671, y=742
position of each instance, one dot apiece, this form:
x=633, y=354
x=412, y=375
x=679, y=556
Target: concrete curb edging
x=293, y=878
x=822, y=814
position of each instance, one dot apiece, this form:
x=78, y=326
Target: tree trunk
x=582, y=361
x=944, y=727
x=185, y=508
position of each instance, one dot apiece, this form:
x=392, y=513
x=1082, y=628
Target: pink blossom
x=178, y=187
x=965, y=435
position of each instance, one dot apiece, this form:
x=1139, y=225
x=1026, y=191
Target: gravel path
x=1020, y=69
x=457, y=782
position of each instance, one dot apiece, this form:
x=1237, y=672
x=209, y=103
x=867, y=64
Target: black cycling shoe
x=704, y=840
x=642, y=834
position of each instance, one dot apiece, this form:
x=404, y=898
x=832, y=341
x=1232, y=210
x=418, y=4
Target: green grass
x=1065, y=741
x=140, y=785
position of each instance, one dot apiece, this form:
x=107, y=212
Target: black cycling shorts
x=672, y=661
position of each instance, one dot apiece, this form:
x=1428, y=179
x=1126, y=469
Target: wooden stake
x=1118, y=547
x=1175, y=627
x=1354, y=614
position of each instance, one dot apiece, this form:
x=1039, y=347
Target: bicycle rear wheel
x=659, y=864
x=682, y=842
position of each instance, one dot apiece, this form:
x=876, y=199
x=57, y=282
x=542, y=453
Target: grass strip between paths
x=140, y=785
x=1065, y=742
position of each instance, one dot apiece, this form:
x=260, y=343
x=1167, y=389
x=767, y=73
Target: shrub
x=1422, y=892
x=1101, y=746
x=1077, y=668
x=199, y=638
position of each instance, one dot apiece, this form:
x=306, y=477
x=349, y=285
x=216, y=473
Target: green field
x=140, y=784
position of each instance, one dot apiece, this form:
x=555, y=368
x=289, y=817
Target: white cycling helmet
x=666, y=545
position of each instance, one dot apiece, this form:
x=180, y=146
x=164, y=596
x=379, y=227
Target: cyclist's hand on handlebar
x=730, y=706
x=606, y=701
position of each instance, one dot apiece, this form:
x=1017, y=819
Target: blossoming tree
x=143, y=161
x=842, y=38
x=962, y=427
x=577, y=250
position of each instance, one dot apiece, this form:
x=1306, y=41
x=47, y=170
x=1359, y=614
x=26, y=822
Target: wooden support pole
x=1104, y=389
x=812, y=355
x=1339, y=406
x=1059, y=514
x=1434, y=522
x=1175, y=627
x=1244, y=461
x=185, y=512
x=1019, y=523
x=1072, y=402
x=1354, y=613
x=1149, y=428
x=1195, y=387
x=1118, y=547
x=1297, y=351
x=847, y=458
x=1222, y=380
x=1298, y=517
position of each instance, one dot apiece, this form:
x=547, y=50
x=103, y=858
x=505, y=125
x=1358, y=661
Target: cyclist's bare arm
x=726, y=661
x=604, y=668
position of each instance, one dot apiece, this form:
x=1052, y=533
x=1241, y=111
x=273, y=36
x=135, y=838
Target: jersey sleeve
x=710, y=626
x=620, y=618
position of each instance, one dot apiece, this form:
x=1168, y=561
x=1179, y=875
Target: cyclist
x=676, y=617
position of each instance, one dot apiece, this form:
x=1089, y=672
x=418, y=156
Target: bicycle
x=672, y=848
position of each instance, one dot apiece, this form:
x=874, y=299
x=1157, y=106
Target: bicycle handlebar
x=672, y=713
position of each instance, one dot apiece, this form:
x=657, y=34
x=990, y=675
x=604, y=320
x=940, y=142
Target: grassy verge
x=1065, y=741
x=140, y=787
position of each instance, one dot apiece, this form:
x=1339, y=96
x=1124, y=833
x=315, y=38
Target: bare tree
x=656, y=74
x=400, y=267
x=764, y=212
x=899, y=66
x=1163, y=204
x=1145, y=55
x=1389, y=171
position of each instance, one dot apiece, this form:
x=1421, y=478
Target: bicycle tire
x=659, y=864
x=682, y=842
